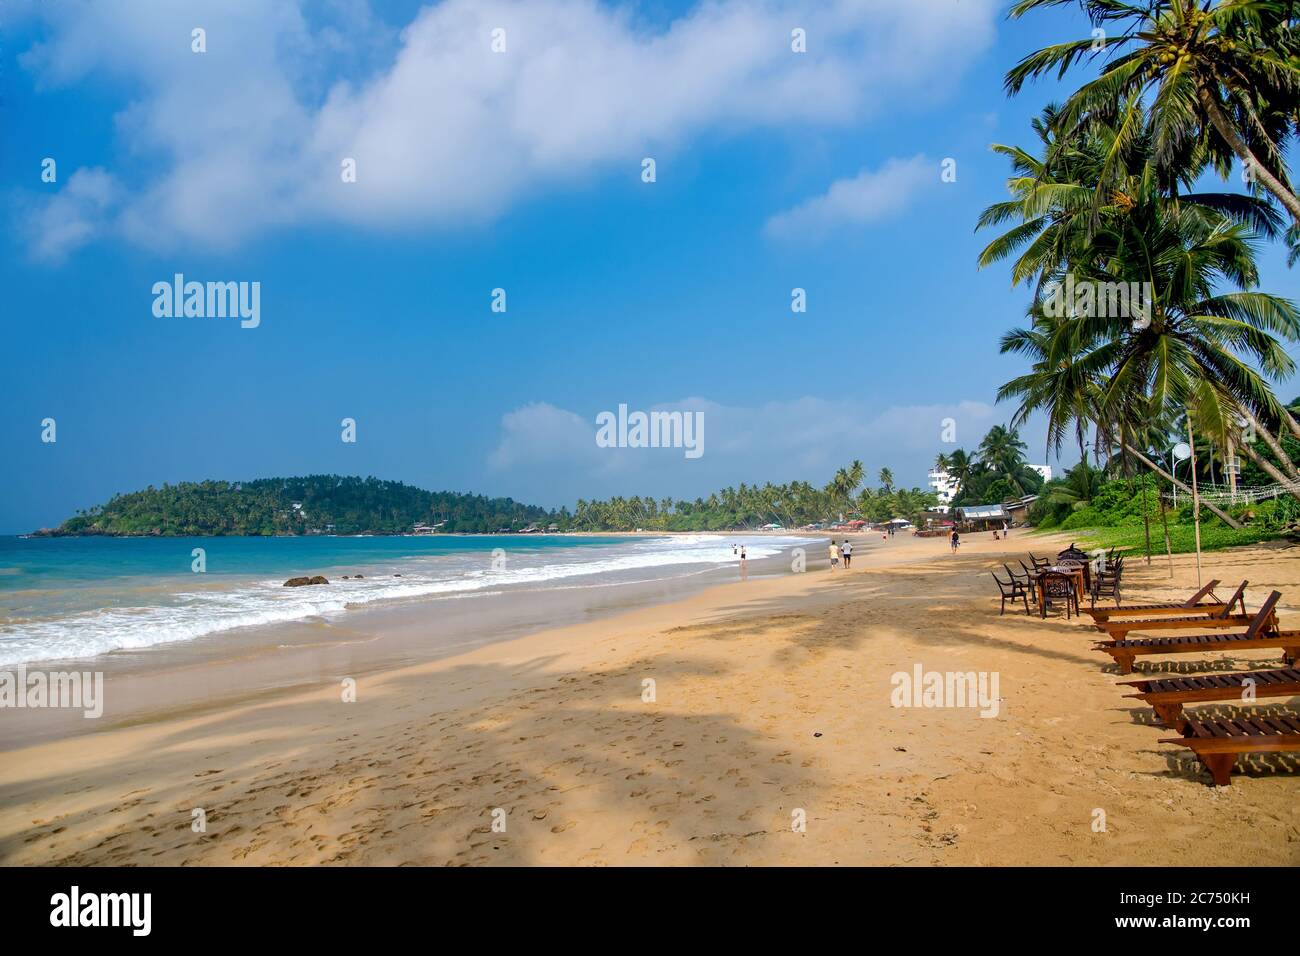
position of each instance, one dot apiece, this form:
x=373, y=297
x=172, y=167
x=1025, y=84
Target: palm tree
x=886, y=480
x=960, y=467
x=855, y=472
x=941, y=462
x=1220, y=76
x=1003, y=451
x=1185, y=349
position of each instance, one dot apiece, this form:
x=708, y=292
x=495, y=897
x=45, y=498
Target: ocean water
x=64, y=598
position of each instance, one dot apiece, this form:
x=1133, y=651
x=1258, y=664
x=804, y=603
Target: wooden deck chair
x=1192, y=605
x=1253, y=637
x=1167, y=695
x=1118, y=629
x=1216, y=743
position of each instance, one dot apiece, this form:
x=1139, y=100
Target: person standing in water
x=847, y=552
x=835, y=555
x=744, y=564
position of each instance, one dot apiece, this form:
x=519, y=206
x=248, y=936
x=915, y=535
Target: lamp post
x=1196, y=497
x=1179, y=453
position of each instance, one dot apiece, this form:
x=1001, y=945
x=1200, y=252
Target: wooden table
x=1074, y=571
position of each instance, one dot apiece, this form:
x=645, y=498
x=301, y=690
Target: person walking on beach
x=955, y=540
x=847, y=552
x=744, y=565
x=835, y=555
x=1006, y=530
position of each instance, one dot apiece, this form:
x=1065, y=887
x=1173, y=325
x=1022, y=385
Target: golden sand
x=772, y=704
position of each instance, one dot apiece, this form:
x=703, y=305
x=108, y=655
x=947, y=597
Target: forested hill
x=316, y=504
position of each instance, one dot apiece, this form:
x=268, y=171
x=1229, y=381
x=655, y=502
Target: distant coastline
x=323, y=505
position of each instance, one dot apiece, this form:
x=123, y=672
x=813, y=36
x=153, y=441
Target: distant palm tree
x=941, y=462
x=960, y=466
x=886, y=480
x=1003, y=451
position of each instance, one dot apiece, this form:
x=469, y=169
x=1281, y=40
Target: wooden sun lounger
x=1190, y=606
x=1118, y=630
x=1253, y=637
x=1168, y=694
x=1217, y=742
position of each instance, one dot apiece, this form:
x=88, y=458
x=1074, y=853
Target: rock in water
x=300, y=582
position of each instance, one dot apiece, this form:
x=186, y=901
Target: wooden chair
x=1253, y=637
x=1055, y=586
x=1038, y=563
x=1012, y=591
x=1191, y=606
x=1167, y=695
x=1118, y=630
x=1216, y=743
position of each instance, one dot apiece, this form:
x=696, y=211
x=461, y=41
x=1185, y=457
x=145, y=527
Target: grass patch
x=1182, y=538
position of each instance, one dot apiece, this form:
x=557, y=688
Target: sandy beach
x=771, y=704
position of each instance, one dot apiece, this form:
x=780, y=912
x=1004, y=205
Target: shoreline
x=87, y=617
x=772, y=696
x=224, y=666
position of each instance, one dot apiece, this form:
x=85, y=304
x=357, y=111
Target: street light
x=1180, y=452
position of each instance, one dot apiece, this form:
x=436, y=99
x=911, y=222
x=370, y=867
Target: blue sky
x=518, y=170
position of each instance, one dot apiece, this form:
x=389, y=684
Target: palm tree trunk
x=1228, y=132
x=1272, y=471
x=1222, y=515
x=1274, y=446
x=1146, y=517
x=1291, y=424
x=1164, y=520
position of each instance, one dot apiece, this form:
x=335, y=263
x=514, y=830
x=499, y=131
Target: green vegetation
x=1214, y=536
x=315, y=504
x=1104, y=202
x=331, y=504
x=750, y=506
x=1124, y=511
x=996, y=473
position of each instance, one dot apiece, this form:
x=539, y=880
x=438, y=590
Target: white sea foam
x=188, y=615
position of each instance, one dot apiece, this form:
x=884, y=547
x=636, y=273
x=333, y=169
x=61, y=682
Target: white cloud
x=72, y=216
x=250, y=135
x=870, y=196
x=542, y=434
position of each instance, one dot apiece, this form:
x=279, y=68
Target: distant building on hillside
x=945, y=487
x=1044, y=470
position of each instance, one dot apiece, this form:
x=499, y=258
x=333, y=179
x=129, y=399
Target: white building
x=1044, y=470
x=945, y=487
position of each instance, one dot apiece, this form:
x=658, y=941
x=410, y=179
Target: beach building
x=983, y=517
x=945, y=488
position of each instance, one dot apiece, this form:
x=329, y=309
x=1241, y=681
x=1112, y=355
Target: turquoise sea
x=79, y=597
